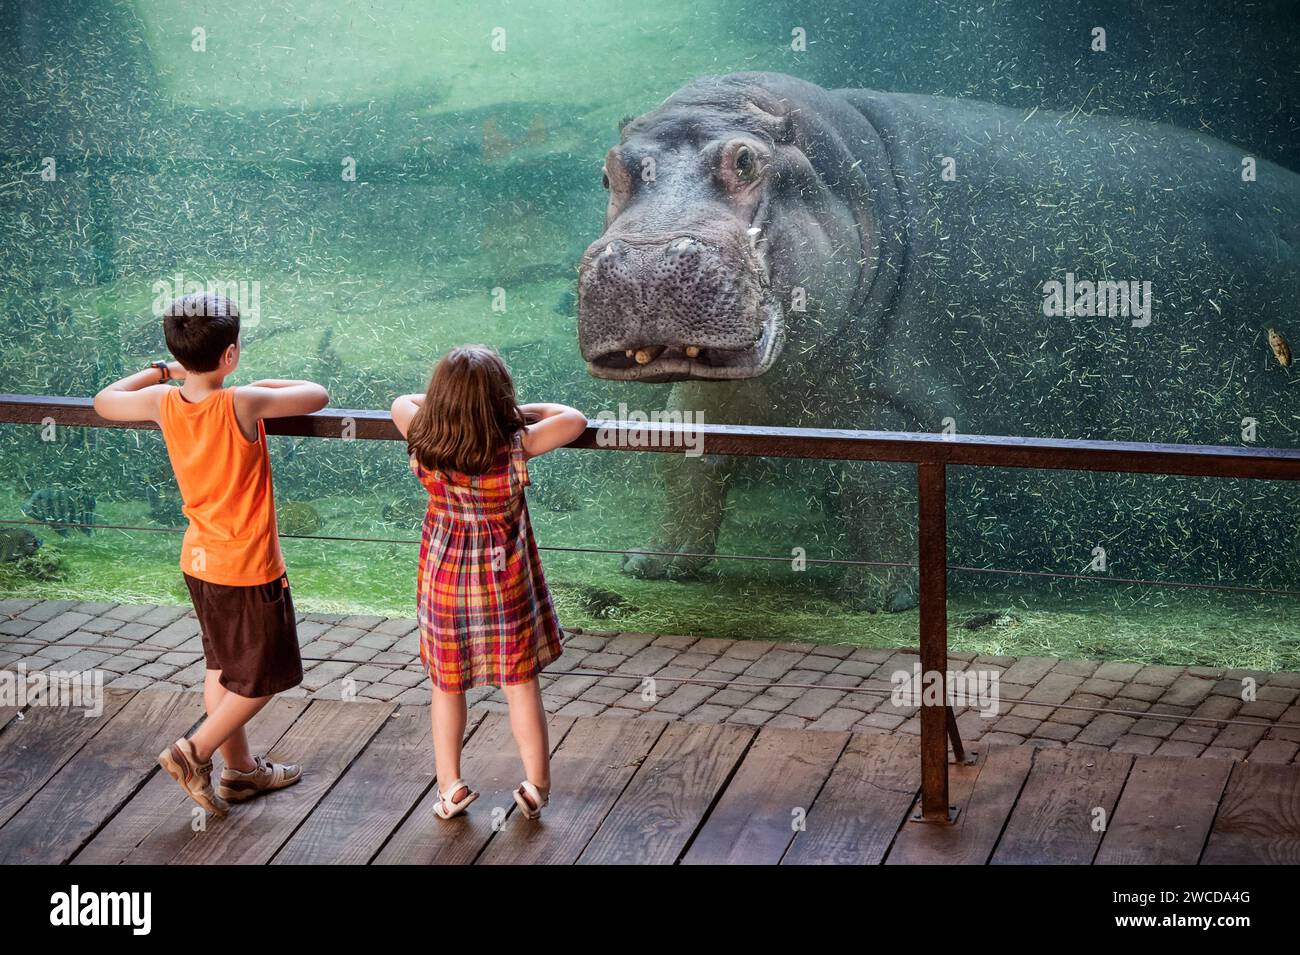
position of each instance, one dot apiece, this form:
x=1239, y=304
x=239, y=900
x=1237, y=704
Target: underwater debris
x=17, y=543
x=297, y=519
x=406, y=511
x=164, y=506
x=556, y=498
x=989, y=618
x=1281, y=350
x=62, y=509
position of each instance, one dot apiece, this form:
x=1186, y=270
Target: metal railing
x=933, y=454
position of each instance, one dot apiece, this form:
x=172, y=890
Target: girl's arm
x=553, y=427
x=404, y=409
x=136, y=397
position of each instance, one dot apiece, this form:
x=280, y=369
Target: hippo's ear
x=775, y=124
x=622, y=123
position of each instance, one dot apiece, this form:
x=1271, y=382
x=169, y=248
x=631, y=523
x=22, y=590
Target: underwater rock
x=600, y=603
x=297, y=519
x=46, y=564
x=17, y=543
x=62, y=508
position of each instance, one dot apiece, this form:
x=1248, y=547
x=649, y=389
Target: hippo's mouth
x=741, y=337
x=675, y=361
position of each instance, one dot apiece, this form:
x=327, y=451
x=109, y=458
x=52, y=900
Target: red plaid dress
x=485, y=614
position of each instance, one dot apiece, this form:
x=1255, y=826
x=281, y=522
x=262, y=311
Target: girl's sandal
x=446, y=808
x=539, y=797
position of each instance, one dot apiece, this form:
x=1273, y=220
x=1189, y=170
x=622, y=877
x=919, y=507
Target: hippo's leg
x=695, y=494
x=695, y=488
x=877, y=506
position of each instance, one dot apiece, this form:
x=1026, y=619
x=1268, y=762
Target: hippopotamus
x=790, y=254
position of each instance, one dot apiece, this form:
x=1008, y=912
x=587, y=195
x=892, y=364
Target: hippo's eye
x=604, y=180
x=746, y=164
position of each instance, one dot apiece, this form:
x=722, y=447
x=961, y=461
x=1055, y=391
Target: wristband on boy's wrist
x=162, y=367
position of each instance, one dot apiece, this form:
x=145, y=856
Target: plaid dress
x=485, y=614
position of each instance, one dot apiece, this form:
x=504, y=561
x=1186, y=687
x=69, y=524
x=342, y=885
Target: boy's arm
x=554, y=427
x=136, y=397
x=278, y=398
x=404, y=409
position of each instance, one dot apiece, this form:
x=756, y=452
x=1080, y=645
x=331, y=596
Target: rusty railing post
x=932, y=559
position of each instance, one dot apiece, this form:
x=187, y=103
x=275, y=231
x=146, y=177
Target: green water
x=478, y=168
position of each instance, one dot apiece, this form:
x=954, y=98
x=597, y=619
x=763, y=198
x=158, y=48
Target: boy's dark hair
x=199, y=327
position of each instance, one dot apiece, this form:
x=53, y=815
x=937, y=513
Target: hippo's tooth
x=646, y=355
x=753, y=232
x=629, y=353
x=692, y=351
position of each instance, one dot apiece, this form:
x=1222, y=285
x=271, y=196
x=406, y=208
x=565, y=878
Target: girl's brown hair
x=469, y=412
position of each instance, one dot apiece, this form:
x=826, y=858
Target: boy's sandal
x=264, y=777
x=539, y=797
x=446, y=807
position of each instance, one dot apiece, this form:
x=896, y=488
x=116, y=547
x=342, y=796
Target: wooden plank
x=157, y=821
x=34, y=748
x=985, y=793
x=590, y=770
x=862, y=805
x=375, y=794
x=1055, y=819
x=490, y=764
x=325, y=740
x=1259, y=817
x=1165, y=811
x=8, y=714
x=772, y=791
x=669, y=796
x=103, y=775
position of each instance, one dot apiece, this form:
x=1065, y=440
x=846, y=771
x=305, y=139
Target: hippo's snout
x=665, y=309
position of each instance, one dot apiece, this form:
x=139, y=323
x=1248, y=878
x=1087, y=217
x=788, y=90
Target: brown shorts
x=250, y=634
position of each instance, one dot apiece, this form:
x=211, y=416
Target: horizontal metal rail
x=826, y=444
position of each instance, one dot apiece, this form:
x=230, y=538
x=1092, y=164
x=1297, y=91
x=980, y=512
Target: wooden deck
x=81, y=790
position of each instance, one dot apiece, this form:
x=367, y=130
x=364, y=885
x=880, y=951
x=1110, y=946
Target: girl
x=485, y=614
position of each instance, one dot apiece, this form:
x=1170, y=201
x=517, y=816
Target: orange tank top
x=225, y=482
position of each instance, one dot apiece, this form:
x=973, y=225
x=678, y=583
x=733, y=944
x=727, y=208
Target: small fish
x=62, y=509
x=567, y=302
x=1281, y=350
x=297, y=519
x=17, y=543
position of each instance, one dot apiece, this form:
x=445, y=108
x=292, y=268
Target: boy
x=231, y=552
